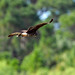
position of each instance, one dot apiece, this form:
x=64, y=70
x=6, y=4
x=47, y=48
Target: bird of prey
x=32, y=31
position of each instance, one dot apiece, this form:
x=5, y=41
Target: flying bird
x=31, y=31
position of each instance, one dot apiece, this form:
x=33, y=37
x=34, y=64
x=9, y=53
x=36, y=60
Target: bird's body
x=24, y=34
x=32, y=31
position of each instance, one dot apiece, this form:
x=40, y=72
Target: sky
x=44, y=15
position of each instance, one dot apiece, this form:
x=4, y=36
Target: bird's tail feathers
x=14, y=34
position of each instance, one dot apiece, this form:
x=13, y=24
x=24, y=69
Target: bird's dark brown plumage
x=31, y=31
x=36, y=27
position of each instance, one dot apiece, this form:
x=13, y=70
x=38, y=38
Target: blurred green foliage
x=52, y=52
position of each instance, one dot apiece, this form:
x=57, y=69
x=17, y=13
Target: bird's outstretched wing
x=36, y=27
x=15, y=33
